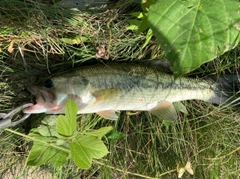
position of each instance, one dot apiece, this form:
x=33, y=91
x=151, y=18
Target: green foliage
x=194, y=32
x=55, y=144
x=43, y=154
x=141, y=24
x=84, y=148
x=190, y=32
x=66, y=125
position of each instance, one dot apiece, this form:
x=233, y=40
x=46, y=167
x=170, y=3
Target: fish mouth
x=44, y=100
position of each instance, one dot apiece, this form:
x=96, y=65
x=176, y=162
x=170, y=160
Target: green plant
x=190, y=32
x=141, y=23
x=59, y=140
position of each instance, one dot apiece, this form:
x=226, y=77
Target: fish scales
x=105, y=89
x=143, y=80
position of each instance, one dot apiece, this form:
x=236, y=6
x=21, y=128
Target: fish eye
x=48, y=83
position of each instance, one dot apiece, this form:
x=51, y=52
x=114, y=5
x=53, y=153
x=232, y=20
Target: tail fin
x=227, y=89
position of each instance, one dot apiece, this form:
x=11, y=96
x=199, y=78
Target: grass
x=36, y=40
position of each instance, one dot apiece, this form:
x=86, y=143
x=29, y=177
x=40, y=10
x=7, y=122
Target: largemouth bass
x=105, y=89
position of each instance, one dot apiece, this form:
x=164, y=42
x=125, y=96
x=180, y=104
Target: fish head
x=52, y=94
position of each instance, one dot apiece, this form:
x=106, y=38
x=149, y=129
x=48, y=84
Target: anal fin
x=108, y=114
x=165, y=110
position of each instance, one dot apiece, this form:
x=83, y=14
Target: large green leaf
x=66, y=125
x=196, y=31
x=83, y=148
x=42, y=154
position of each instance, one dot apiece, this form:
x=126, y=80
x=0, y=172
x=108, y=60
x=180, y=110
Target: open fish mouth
x=44, y=100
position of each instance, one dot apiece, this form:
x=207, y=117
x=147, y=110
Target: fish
x=105, y=89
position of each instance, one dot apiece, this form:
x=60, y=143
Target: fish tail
x=227, y=90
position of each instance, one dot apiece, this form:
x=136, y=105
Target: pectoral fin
x=105, y=94
x=109, y=114
x=165, y=110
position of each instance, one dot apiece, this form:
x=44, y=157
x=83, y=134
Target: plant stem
x=38, y=140
x=135, y=174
